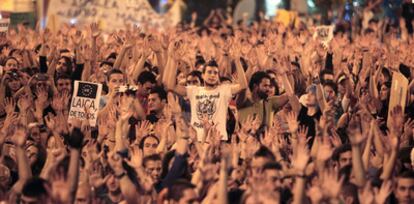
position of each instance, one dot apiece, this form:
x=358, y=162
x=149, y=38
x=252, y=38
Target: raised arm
x=241, y=76
x=171, y=70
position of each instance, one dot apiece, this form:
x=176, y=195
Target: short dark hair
x=153, y=157
x=265, y=152
x=114, y=71
x=340, y=150
x=62, y=76
x=406, y=174
x=257, y=78
x=272, y=166
x=177, y=188
x=35, y=188
x=160, y=91
x=332, y=85
x=141, y=142
x=146, y=76
x=211, y=63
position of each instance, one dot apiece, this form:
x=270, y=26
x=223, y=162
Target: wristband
x=120, y=175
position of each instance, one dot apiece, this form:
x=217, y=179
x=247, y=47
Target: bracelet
x=120, y=175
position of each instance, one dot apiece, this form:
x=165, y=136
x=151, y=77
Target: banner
x=114, y=14
x=85, y=102
x=4, y=24
x=398, y=96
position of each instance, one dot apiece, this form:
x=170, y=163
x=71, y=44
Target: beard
x=262, y=94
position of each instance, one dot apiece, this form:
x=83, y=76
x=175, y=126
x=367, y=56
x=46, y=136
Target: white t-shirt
x=214, y=103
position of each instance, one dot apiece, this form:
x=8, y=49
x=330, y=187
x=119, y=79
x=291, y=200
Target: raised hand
x=331, y=183
x=383, y=193
x=9, y=105
x=95, y=31
x=300, y=161
x=77, y=38
x=397, y=119
x=292, y=122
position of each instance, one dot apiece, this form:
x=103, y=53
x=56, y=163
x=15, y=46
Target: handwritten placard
x=85, y=102
x=115, y=14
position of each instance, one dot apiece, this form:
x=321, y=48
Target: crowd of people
x=222, y=113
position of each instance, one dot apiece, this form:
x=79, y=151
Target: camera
x=128, y=89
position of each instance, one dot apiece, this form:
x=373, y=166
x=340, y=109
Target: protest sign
x=398, y=96
x=114, y=13
x=85, y=102
x=4, y=24
x=324, y=34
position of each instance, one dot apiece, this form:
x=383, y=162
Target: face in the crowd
x=342, y=88
x=4, y=176
x=155, y=103
x=112, y=184
x=384, y=78
x=345, y=159
x=35, y=134
x=146, y=88
x=14, y=84
x=181, y=79
x=31, y=152
x=62, y=66
x=153, y=168
x=115, y=80
x=264, y=88
x=193, y=80
x=329, y=93
x=404, y=190
x=257, y=166
x=10, y=65
x=211, y=76
x=189, y=196
x=274, y=179
x=384, y=92
x=311, y=99
x=64, y=85
x=150, y=145
x=82, y=195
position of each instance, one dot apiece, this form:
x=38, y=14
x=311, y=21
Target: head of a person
x=343, y=155
x=262, y=156
x=149, y=144
x=260, y=84
x=83, y=194
x=182, y=192
x=181, y=80
x=10, y=63
x=13, y=81
x=35, y=191
x=157, y=99
x=384, y=91
x=116, y=78
x=112, y=184
x=311, y=99
x=330, y=89
x=64, y=65
x=385, y=76
x=146, y=81
x=64, y=83
x=273, y=175
x=342, y=84
x=211, y=74
x=194, y=78
x=152, y=166
x=404, y=188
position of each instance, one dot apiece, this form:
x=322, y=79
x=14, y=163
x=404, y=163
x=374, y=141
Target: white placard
x=85, y=102
x=4, y=24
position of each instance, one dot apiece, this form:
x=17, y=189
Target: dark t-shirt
x=309, y=121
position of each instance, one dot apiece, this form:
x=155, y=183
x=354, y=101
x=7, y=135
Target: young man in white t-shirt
x=212, y=99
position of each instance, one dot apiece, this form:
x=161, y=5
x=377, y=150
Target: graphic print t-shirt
x=212, y=103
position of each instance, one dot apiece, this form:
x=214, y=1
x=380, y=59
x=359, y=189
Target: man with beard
x=211, y=101
x=257, y=102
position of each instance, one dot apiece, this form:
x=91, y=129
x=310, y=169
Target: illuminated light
x=73, y=21
x=356, y=3
x=0, y=16
x=271, y=7
x=311, y=3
